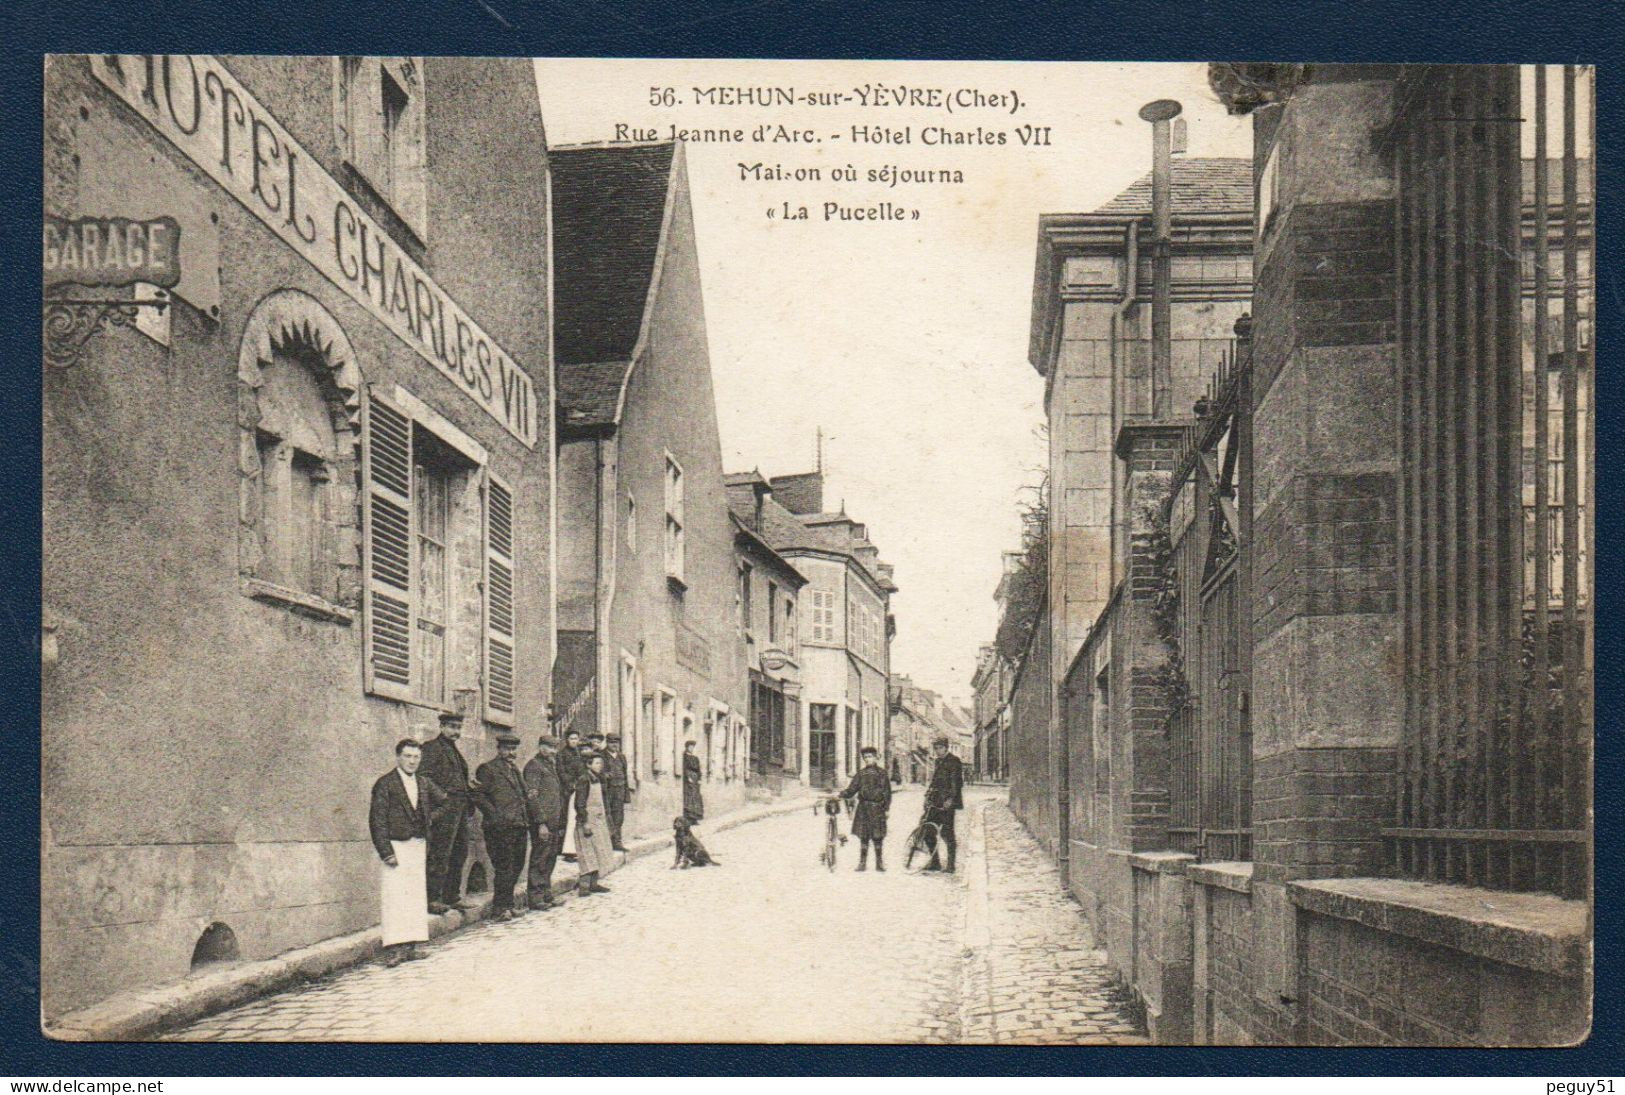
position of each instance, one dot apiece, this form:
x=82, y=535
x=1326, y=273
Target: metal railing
x=1495, y=752
x=1203, y=616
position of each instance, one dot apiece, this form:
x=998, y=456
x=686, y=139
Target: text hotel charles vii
x=298, y=513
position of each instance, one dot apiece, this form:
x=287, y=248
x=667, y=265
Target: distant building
x=991, y=713
x=769, y=619
x=919, y=717
x=649, y=637
x=844, y=620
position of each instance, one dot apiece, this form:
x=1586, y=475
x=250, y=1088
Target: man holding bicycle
x=872, y=790
x=943, y=797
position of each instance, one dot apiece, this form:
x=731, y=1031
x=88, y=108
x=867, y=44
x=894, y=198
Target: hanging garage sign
x=221, y=127
x=111, y=251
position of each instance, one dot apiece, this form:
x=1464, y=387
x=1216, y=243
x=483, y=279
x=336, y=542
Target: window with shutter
x=499, y=602
x=388, y=549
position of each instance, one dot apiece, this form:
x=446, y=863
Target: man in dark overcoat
x=943, y=797
x=499, y=793
x=873, y=791
x=617, y=789
x=549, y=805
x=443, y=764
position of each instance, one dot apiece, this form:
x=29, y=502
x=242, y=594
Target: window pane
x=307, y=486
x=432, y=499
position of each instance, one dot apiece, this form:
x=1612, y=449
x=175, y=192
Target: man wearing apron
x=402, y=806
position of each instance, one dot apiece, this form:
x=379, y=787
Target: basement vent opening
x=218, y=943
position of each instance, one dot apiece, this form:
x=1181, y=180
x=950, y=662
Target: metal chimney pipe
x=1160, y=113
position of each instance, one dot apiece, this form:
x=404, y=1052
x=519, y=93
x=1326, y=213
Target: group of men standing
x=423, y=809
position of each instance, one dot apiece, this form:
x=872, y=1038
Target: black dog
x=690, y=852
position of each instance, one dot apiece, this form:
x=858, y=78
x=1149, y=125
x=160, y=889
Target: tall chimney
x=1160, y=113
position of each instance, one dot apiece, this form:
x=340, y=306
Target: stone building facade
x=1259, y=769
x=844, y=626
x=768, y=600
x=298, y=513
x=650, y=640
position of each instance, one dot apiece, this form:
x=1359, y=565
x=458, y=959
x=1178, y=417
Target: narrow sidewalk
x=141, y=1014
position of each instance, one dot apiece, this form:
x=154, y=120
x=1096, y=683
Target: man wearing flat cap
x=499, y=793
x=617, y=789
x=444, y=765
x=943, y=797
x=549, y=810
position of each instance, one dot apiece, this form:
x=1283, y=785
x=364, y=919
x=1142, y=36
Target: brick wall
x=1317, y=812
x=1230, y=982
x=1325, y=546
x=1366, y=987
x=1328, y=280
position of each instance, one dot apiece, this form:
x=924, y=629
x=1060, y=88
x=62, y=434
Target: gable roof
x=609, y=210
x=1219, y=185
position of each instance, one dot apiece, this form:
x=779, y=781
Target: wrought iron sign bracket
x=67, y=323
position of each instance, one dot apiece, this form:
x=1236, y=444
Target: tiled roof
x=785, y=530
x=609, y=203
x=1199, y=186
x=589, y=392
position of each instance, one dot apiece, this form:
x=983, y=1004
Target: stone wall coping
x=1533, y=931
x=143, y=1014
x=1226, y=876
x=1159, y=862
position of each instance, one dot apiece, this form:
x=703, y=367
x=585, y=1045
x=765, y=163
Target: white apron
x=404, y=888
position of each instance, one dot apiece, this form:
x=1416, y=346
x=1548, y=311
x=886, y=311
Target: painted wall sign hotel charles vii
x=220, y=126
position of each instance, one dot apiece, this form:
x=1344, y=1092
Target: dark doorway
x=821, y=758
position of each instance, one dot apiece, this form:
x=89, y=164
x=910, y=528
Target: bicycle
x=830, y=806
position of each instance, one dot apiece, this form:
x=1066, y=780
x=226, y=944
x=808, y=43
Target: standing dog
x=690, y=852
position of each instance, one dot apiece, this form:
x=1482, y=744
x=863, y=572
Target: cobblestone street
x=769, y=947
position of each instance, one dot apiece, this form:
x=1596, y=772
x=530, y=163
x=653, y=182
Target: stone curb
x=140, y=1015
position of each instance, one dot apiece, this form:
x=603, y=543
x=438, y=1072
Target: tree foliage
x=1028, y=579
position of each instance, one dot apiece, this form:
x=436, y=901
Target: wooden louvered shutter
x=388, y=553
x=499, y=602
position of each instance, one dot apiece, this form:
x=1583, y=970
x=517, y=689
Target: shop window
x=379, y=123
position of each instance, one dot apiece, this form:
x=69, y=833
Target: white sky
x=906, y=342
